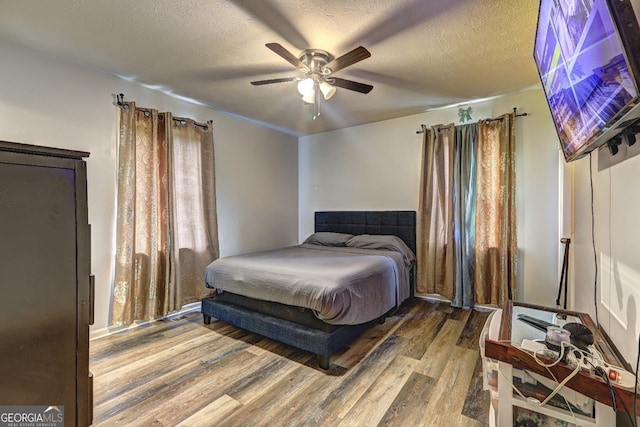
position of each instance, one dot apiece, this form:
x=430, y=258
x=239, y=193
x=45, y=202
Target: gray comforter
x=342, y=285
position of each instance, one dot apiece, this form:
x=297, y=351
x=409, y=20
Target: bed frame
x=322, y=339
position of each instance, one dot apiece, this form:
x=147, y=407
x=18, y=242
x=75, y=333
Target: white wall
x=616, y=202
x=47, y=102
x=377, y=167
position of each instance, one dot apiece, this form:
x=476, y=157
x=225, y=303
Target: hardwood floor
x=421, y=367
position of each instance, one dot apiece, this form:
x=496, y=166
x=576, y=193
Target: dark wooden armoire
x=46, y=288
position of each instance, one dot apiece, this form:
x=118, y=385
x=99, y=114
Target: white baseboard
x=440, y=298
x=485, y=307
x=432, y=297
x=110, y=330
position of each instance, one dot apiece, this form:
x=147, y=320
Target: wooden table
x=505, y=348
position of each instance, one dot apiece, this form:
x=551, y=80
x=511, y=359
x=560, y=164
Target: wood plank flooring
x=421, y=367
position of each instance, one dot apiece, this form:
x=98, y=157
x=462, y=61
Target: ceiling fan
x=318, y=67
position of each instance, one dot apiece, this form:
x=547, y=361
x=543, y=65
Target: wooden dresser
x=46, y=299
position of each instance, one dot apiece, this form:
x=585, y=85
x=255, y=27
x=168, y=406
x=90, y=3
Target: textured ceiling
x=424, y=53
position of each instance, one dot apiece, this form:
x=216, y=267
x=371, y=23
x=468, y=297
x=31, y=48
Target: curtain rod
x=120, y=103
x=515, y=111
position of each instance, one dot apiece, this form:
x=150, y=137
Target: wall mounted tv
x=588, y=57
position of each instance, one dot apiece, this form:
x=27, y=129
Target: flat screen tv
x=587, y=53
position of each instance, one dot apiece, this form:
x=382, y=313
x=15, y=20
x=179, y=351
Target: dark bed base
x=322, y=343
x=328, y=339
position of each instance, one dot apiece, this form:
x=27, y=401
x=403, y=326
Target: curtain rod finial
x=515, y=113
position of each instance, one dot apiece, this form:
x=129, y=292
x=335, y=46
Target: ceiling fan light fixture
x=305, y=87
x=309, y=98
x=327, y=90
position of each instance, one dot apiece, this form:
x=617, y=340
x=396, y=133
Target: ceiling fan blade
x=284, y=53
x=349, y=58
x=350, y=84
x=269, y=81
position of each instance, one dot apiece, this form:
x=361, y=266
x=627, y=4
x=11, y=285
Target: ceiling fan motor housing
x=316, y=60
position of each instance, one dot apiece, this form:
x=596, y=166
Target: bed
x=353, y=271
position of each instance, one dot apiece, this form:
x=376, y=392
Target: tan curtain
x=148, y=276
x=495, y=241
x=141, y=263
x=435, y=213
x=194, y=223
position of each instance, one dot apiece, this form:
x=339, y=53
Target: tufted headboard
x=397, y=223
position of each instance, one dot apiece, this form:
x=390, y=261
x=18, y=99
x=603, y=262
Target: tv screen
x=589, y=83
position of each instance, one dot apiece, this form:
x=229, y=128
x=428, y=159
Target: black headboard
x=397, y=223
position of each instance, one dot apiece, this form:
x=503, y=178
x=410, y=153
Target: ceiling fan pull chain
x=316, y=105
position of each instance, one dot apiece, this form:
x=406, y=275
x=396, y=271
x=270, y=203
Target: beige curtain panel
x=495, y=239
x=194, y=225
x=435, y=213
x=166, y=224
